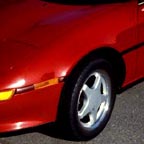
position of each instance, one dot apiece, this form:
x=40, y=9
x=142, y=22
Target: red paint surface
x=140, y=62
x=40, y=41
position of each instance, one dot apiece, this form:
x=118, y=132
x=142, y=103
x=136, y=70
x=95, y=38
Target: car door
x=140, y=64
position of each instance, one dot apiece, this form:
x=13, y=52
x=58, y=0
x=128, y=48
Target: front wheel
x=88, y=99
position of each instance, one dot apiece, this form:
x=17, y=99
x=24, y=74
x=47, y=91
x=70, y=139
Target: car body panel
x=59, y=32
x=41, y=41
x=30, y=108
x=140, y=69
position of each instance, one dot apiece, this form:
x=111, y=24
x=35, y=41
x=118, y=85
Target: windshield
x=83, y=2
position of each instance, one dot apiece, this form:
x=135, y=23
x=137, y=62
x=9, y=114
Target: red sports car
x=64, y=61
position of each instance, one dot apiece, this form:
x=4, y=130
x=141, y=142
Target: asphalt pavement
x=126, y=125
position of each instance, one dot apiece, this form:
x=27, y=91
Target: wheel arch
x=109, y=54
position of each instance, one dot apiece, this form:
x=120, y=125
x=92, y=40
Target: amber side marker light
x=46, y=83
x=6, y=95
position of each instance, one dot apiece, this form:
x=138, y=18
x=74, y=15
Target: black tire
x=80, y=121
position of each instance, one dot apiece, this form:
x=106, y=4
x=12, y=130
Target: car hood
x=20, y=17
x=28, y=28
x=23, y=28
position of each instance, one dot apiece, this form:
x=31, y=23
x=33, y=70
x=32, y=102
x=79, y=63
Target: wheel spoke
x=103, y=98
x=93, y=117
x=87, y=91
x=97, y=82
x=84, y=110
